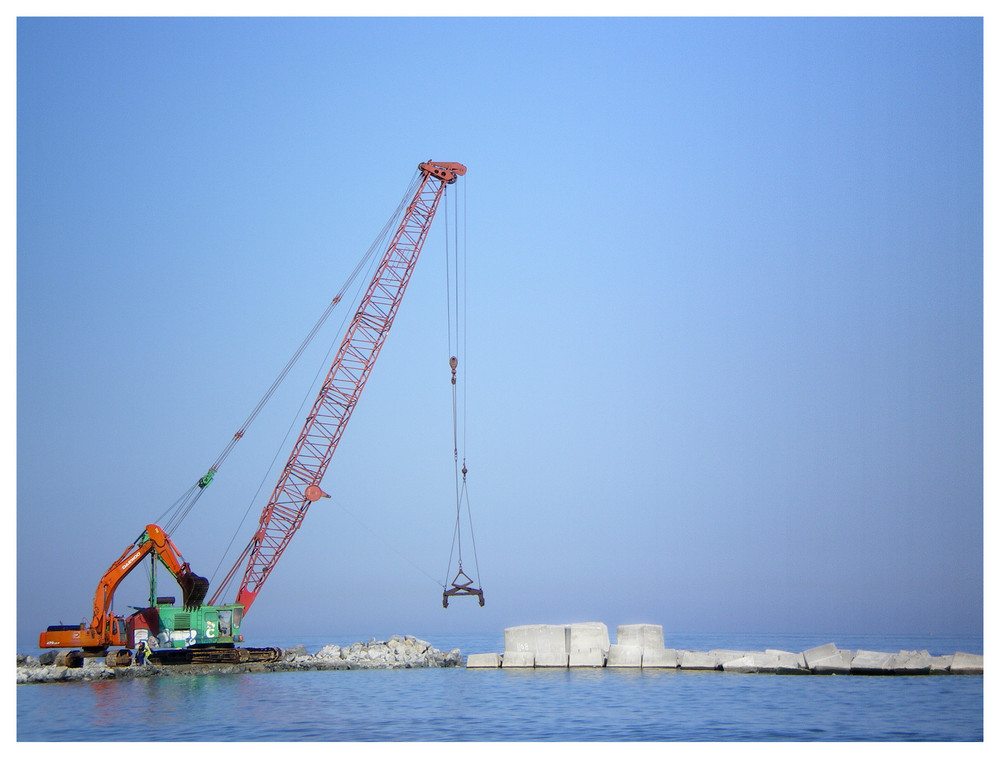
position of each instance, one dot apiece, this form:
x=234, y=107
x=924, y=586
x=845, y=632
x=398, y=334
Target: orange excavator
x=106, y=629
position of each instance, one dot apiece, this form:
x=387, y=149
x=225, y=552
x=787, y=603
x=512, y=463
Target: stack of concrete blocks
x=581, y=644
x=641, y=646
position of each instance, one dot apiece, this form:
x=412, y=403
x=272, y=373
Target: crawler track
x=215, y=656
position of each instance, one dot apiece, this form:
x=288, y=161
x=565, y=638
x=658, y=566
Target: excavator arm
x=153, y=540
x=105, y=628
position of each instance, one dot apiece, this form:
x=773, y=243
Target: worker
x=142, y=653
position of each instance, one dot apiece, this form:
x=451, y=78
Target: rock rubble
x=399, y=652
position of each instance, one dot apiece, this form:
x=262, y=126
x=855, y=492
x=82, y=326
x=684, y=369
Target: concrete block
x=591, y=658
x=966, y=664
x=696, y=660
x=584, y=636
x=791, y=664
x=910, y=663
x=644, y=636
x=838, y=664
x=518, y=659
x=871, y=663
x=624, y=656
x=722, y=655
x=548, y=638
x=551, y=659
x=814, y=655
x=520, y=638
x=766, y=662
x=753, y=661
x=482, y=660
x=743, y=665
x=659, y=658
x=941, y=664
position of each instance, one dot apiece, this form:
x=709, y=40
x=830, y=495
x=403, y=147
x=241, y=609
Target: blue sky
x=725, y=314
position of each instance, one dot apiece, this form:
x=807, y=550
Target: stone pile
x=641, y=646
x=399, y=652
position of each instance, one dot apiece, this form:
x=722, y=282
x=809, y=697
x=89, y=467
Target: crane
x=299, y=484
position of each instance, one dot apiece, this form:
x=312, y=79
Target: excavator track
x=214, y=656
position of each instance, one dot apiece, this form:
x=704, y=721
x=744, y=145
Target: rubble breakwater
x=399, y=652
x=642, y=646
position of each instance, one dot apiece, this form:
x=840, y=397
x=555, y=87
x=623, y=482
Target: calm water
x=521, y=705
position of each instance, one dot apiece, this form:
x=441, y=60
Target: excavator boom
x=105, y=628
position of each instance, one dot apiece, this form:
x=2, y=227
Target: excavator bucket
x=194, y=588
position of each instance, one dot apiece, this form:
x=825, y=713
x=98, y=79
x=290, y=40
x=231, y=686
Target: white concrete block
x=911, y=663
x=966, y=664
x=591, y=658
x=520, y=638
x=551, y=638
x=624, y=656
x=659, y=658
x=743, y=665
x=871, y=663
x=696, y=660
x=482, y=660
x=941, y=664
x=814, y=655
x=765, y=662
x=551, y=659
x=518, y=659
x=752, y=662
x=838, y=664
x=791, y=664
x=722, y=655
x=584, y=636
x=644, y=636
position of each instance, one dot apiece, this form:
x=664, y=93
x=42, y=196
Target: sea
x=517, y=705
